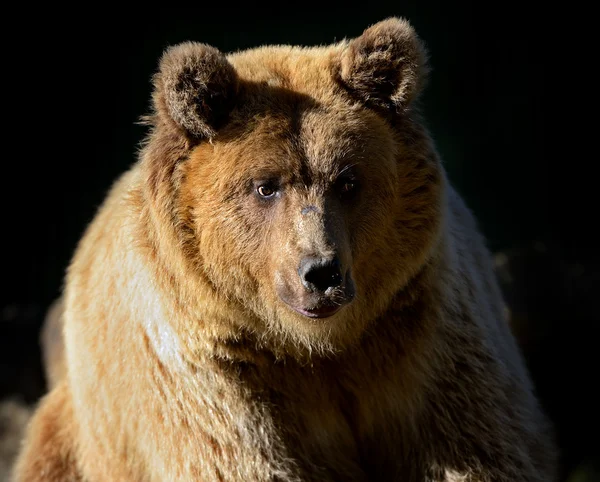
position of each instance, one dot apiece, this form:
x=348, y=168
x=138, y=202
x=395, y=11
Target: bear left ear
x=195, y=88
x=386, y=66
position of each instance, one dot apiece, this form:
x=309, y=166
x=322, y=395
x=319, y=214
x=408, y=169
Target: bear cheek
x=264, y=250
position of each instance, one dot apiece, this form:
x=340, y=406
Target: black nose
x=319, y=274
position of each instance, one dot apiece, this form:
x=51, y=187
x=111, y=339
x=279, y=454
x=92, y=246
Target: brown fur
x=52, y=344
x=187, y=358
x=14, y=416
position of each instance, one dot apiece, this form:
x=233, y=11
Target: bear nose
x=320, y=274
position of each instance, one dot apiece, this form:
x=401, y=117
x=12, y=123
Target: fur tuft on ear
x=386, y=66
x=195, y=87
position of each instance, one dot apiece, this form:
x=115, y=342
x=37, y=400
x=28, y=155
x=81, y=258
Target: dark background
x=498, y=105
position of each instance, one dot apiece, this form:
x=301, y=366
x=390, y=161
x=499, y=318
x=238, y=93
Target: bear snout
x=319, y=274
x=320, y=289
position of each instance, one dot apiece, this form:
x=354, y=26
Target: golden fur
x=196, y=350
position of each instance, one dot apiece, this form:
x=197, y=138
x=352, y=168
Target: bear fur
x=285, y=287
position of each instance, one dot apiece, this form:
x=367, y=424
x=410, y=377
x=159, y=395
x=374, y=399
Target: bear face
x=295, y=158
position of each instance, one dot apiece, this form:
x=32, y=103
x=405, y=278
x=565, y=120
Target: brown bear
x=285, y=287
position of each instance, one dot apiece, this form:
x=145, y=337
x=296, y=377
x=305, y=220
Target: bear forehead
x=291, y=113
x=295, y=136
x=301, y=69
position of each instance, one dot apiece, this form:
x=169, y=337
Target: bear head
x=299, y=183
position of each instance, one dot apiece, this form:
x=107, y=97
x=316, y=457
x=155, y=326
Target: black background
x=499, y=105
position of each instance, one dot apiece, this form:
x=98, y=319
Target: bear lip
x=324, y=311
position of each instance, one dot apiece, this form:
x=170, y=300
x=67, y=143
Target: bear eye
x=266, y=191
x=347, y=186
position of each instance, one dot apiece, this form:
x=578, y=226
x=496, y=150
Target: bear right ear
x=195, y=88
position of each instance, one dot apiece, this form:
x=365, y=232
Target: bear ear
x=195, y=87
x=386, y=66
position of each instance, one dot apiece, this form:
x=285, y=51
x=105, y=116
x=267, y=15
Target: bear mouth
x=322, y=307
x=323, y=311
x=316, y=305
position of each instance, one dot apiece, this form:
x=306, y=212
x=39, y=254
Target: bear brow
x=347, y=169
x=273, y=172
x=339, y=168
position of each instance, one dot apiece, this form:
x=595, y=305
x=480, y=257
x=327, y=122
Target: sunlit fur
x=182, y=361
